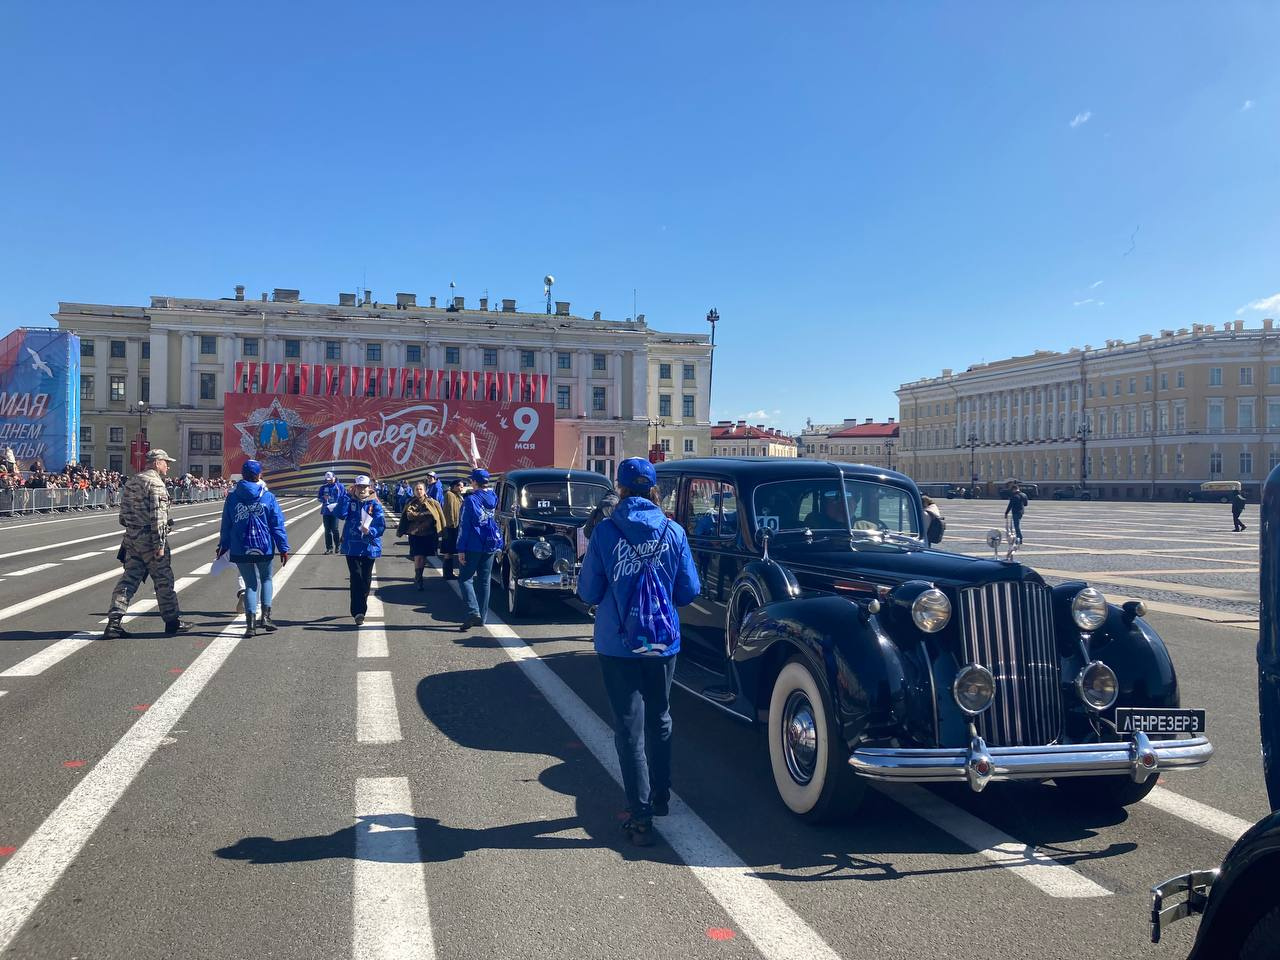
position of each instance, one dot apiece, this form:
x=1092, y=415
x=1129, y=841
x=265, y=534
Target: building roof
x=867, y=430
x=728, y=430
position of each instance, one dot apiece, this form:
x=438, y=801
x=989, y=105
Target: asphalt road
x=412, y=790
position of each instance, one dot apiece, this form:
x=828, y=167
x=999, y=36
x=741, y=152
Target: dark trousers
x=361, y=570
x=1017, y=525
x=1235, y=519
x=331, y=538
x=639, y=690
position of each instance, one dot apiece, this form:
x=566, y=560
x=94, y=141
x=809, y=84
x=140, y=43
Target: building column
x=187, y=371
x=615, y=384
x=101, y=352
x=228, y=367
x=160, y=369
x=582, y=360
x=702, y=391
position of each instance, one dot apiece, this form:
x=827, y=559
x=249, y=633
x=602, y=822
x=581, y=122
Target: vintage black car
x=1072, y=493
x=825, y=616
x=1240, y=899
x=540, y=512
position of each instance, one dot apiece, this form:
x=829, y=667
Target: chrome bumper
x=1195, y=885
x=1139, y=758
x=550, y=581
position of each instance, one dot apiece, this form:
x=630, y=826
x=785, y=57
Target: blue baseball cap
x=252, y=469
x=636, y=473
x=479, y=475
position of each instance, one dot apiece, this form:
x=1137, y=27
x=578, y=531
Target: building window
x=115, y=435
x=1273, y=414
x=1213, y=419
x=664, y=404
x=1273, y=461
x=248, y=347
x=1244, y=414
x=332, y=350
x=146, y=349
x=373, y=353
x=526, y=359
x=116, y=463
x=564, y=361
x=144, y=389
x=117, y=349
x=117, y=388
x=1246, y=376
x=1215, y=376
x=598, y=400
x=1215, y=464
x=86, y=350
x=1273, y=376
x=293, y=349
x=1164, y=381
x=1133, y=385
x=688, y=371
x=664, y=371
x=1146, y=383
x=86, y=434
x=1179, y=417
x=563, y=397
x=686, y=408
x=666, y=444
x=86, y=386
x=1246, y=464
x=195, y=443
x=215, y=443
x=452, y=355
x=490, y=357
x=413, y=353
x=1102, y=389
x=688, y=445
x=208, y=386
x=599, y=363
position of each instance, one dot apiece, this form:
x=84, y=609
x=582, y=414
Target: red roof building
x=740, y=439
x=868, y=442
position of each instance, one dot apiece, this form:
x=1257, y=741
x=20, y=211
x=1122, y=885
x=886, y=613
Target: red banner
x=298, y=437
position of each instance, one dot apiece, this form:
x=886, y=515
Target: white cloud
x=761, y=415
x=1271, y=303
x=1080, y=119
x=1095, y=285
x=1081, y=303
x=1247, y=105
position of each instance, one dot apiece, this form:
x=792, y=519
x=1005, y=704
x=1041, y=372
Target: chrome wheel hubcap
x=799, y=737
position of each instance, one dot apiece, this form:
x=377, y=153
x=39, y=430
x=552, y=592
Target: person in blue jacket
x=435, y=489
x=253, y=532
x=364, y=521
x=331, y=492
x=638, y=679
x=479, y=538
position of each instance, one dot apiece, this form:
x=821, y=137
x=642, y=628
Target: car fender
x=760, y=583
x=1244, y=891
x=850, y=654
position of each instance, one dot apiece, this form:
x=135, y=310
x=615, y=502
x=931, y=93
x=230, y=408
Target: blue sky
x=868, y=192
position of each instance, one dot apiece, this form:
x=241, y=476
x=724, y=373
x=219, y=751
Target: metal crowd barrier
x=22, y=502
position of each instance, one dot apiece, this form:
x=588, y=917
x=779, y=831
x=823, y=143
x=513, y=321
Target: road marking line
x=1054, y=878
x=777, y=931
x=203, y=570
x=66, y=543
x=36, y=569
x=371, y=640
x=391, y=919
x=80, y=556
x=56, y=652
x=3, y=692
x=28, y=876
x=374, y=609
x=377, y=719
x=1201, y=814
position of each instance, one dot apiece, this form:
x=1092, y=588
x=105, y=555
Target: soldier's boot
x=265, y=621
x=173, y=627
x=115, y=629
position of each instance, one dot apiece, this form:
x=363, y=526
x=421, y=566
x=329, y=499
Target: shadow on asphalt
x=437, y=843
x=721, y=770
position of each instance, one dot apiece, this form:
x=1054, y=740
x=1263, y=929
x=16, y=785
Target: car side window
x=702, y=518
x=668, y=487
x=508, y=496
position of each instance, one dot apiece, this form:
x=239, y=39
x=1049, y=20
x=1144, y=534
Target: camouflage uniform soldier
x=144, y=514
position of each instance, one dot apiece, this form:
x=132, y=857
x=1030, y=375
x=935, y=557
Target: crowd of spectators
x=13, y=477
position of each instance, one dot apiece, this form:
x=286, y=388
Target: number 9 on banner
x=526, y=421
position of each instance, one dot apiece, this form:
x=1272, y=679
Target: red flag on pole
x=422, y=384
x=417, y=383
x=544, y=380
x=304, y=378
x=453, y=384
x=466, y=384
x=355, y=381
x=394, y=380
x=239, y=377
x=511, y=385
x=289, y=386
x=263, y=369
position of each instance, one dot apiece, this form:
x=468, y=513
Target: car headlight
x=543, y=550
x=1097, y=686
x=564, y=565
x=931, y=610
x=1089, y=609
x=974, y=688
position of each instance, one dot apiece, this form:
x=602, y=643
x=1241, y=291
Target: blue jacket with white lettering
x=251, y=502
x=478, y=529
x=355, y=541
x=610, y=568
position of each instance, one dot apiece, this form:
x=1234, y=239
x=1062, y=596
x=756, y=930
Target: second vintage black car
x=869, y=656
x=540, y=512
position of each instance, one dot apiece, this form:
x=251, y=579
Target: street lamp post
x=1083, y=433
x=972, y=441
x=713, y=317
x=888, y=445
x=141, y=410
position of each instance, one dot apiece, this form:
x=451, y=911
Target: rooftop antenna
x=547, y=283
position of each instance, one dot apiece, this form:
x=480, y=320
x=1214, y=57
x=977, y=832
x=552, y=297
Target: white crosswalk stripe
x=377, y=717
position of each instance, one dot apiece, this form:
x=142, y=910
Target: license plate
x=1130, y=720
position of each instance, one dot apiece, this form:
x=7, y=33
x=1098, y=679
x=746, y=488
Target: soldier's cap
x=158, y=454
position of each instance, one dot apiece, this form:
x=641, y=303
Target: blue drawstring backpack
x=649, y=622
x=257, y=535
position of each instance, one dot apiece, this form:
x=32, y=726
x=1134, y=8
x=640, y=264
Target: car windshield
x=560, y=496
x=859, y=508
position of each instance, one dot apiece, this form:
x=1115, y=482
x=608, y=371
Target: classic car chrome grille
x=1008, y=628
